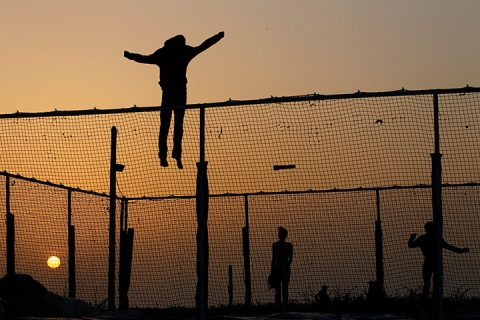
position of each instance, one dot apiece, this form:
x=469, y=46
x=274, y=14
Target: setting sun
x=53, y=262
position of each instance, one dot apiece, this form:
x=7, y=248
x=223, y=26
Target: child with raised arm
x=426, y=243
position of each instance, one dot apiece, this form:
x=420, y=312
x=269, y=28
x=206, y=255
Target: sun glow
x=53, y=262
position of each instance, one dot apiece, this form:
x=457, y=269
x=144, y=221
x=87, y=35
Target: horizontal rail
x=231, y=103
x=51, y=184
x=260, y=193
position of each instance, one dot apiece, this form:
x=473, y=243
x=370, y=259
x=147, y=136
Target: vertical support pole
x=72, y=283
x=10, y=229
x=126, y=256
x=379, y=246
x=111, y=252
x=202, y=134
x=230, y=286
x=202, y=227
x=122, y=215
x=437, y=212
x=246, y=258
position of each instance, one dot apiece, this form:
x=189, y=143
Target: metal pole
x=72, y=284
x=10, y=222
x=379, y=245
x=230, y=286
x=111, y=257
x=126, y=255
x=202, y=135
x=246, y=258
x=437, y=212
x=202, y=227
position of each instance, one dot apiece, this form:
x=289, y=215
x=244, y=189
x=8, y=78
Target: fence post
x=379, y=246
x=437, y=212
x=246, y=258
x=72, y=284
x=114, y=167
x=202, y=227
x=10, y=229
x=230, y=286
x=126, y=256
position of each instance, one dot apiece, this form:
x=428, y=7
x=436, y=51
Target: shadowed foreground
x=137, y=314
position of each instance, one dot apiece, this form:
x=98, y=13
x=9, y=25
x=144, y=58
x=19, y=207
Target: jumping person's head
x=429, y=227
x=282, y=233
x=176, y=41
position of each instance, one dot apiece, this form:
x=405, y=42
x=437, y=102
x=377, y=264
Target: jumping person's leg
x=180, y=100
x=168, y=99
x=165, y=118
x=178, y=136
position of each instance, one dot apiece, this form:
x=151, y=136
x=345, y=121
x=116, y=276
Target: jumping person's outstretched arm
x=209, y=42
x=150, y=59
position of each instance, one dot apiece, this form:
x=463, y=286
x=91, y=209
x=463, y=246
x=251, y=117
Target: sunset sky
x=68, y=55
x=64, y=55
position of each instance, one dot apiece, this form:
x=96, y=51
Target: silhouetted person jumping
x=282, y=253
x=426, y=243
x=173, y=59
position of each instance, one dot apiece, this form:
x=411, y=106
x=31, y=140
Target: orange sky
x=69, y=55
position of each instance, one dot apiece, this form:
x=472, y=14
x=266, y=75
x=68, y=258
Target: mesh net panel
x=41, y=231
x=339, y=153
x=339, y=144
x=90, y=217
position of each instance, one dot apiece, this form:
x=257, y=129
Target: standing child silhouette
x=282, y=253
x=173, y=59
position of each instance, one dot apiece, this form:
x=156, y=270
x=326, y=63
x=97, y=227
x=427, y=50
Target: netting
x=344, y=150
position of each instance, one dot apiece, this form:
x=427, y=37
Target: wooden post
x=125, y=272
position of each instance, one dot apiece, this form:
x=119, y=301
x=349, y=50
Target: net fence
x=353, y=160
